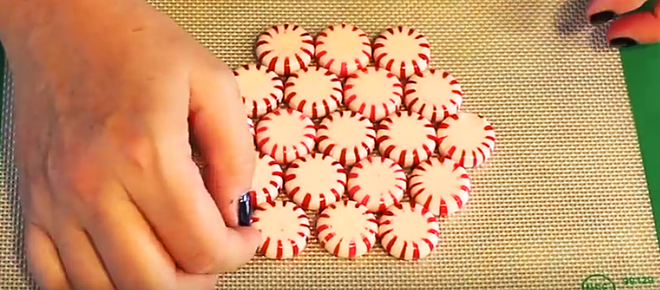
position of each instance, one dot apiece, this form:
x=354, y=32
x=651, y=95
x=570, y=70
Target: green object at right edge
x=641, y=69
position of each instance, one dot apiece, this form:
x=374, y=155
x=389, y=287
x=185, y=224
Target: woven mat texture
x=563, y=197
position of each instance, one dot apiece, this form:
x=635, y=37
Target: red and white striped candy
x=377, y=183
x=441, y=185
x=268, y=179
x=314, y=91
x=343, y=49
x=406, y=137
x=373, y=92
x=466, y=138
x=284, y=229
x=261, y=89
x=408, y=231
x=314, y=181
x=285, y=48
x=434, y=94
x=251, y=126
x=346, y=229
x=402, y=50
x=285, y=134
x=346, y=136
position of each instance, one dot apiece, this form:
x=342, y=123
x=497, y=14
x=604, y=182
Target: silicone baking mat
x=563, y=203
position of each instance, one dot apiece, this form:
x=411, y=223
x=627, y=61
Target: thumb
x=219, y=126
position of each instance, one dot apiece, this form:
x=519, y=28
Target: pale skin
x=107, y=93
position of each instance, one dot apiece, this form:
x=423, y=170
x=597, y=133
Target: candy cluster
x=361, y=133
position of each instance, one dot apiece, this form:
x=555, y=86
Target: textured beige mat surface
x=564, y=196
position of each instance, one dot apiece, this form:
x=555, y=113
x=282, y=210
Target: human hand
x=105, y=93
x=628, y=30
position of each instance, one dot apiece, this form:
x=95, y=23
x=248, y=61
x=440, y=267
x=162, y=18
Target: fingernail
x=622, y=42
x=245, y=210
x=602, y=17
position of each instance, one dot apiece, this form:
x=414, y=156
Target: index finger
x=131, y=252
x=219, y=122
x=173, y=198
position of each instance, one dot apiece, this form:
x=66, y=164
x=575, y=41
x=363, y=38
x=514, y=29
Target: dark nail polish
x=602, y=17
x=245, y=210
x=622, y=42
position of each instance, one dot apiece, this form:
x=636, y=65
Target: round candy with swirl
x=285, y=48
x=402, y=50
x=347, y=229
x=285, y=134
x=343, y=49
x=346, y=136
x=314, y=181
x=408, y=231
x=284, y=228
x=406, y=137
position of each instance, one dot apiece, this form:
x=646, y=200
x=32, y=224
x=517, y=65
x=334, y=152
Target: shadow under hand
x=571, y=21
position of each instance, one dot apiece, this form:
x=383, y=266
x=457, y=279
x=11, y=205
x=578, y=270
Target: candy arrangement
x=361, y=134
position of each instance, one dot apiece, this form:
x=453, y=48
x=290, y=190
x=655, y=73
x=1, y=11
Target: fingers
x=48, y=272
x=219, y=124
x=181, y=212
x=132, y=254
x=82, y=264
x=602, y=11
x=171, y=194
x=43, y=260
x=225, y=141
x=629, y=30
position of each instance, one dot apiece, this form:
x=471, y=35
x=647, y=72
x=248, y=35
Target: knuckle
x=141, y=153
x=72, y=175
x=35, y=204
x=137, y=145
